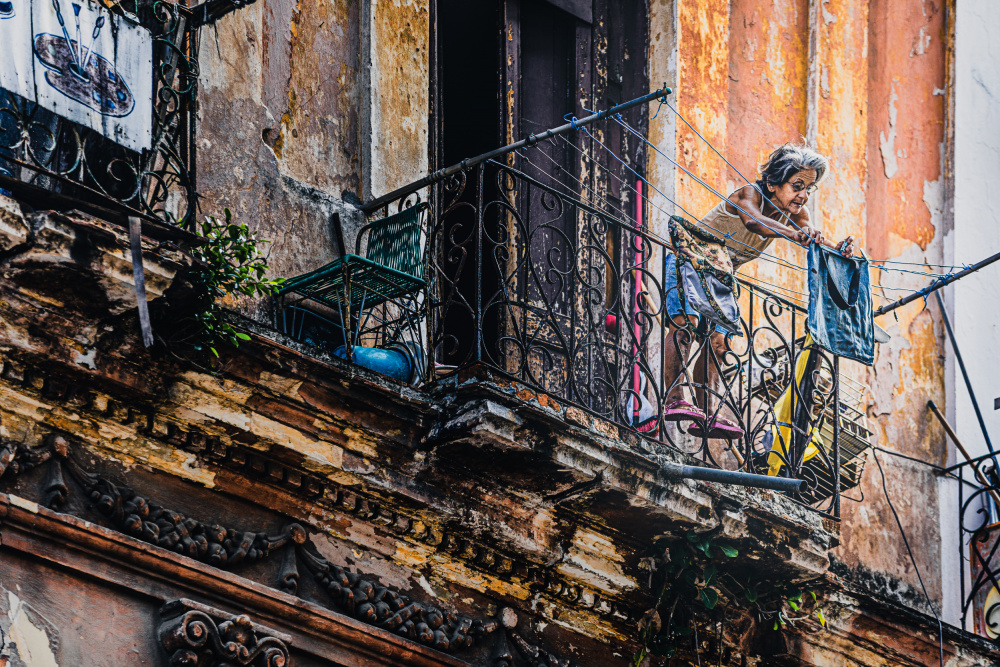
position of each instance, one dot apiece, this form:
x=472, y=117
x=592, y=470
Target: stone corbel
x=196, y=635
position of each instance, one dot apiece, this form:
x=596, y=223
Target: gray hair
x=788, y=160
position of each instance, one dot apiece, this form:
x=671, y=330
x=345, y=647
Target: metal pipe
x=965, y=375
x=528, y=141
x=958, y=443
x=935, y=286
x=674, y=471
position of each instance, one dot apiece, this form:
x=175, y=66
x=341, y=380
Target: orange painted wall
x=874, y=89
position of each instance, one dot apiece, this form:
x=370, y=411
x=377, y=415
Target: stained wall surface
x=302, y=104
x=865, y=84
x=975, y=235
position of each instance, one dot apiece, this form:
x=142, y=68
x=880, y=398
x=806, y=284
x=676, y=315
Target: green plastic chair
x=391, y=268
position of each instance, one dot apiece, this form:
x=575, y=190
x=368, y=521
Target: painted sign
x=81, y=62
x=985, y=550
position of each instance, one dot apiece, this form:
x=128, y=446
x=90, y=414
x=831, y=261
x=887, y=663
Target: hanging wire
x=616, y=214
x=657, y=190
x=617, y=118
x=708, y=187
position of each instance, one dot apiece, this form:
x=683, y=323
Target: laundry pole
x=527, y=142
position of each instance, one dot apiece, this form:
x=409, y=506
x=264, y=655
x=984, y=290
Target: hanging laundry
x=781, y=433
x=840, y=304
x=707, y=279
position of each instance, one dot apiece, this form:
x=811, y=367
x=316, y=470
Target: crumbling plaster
x=878, y=78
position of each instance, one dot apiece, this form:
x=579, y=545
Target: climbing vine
x=696, y=582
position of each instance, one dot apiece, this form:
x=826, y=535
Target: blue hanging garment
x=840, y=304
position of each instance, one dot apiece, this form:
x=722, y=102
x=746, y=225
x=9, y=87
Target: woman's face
x=793, y=194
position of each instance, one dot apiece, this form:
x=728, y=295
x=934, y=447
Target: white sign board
x=76, y=59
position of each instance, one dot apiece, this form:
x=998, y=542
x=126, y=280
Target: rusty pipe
x=958, y=444
x=674, y=471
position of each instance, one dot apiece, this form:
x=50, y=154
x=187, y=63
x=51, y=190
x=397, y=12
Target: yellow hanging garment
x=781, y=431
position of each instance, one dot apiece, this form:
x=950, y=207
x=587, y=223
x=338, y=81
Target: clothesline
x=617, y=214
x=612, y=210
x=754, y=280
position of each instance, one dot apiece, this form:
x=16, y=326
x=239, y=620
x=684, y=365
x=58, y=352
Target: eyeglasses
x=799, y=187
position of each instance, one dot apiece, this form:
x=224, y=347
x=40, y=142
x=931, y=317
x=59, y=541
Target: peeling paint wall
x=865, y=83
x=303, y=105
x=398, y=50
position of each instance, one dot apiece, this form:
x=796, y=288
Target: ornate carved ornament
x=134, y=515
x=350, y=593
x=200, y=638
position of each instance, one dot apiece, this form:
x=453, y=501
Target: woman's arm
x=747, y=202
x=846, y=247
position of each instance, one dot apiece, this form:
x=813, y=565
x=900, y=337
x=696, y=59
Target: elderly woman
x=750, y=219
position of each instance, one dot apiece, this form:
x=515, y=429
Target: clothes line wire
x=610, y=209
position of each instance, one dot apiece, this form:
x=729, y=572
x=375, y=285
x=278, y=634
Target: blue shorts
x=673, y=293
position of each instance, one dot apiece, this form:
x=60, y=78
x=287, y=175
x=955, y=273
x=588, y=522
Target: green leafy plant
x=692, y=577
x=231, y=264
x=687, y=570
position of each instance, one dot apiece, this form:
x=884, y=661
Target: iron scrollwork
x=42, y=149
x=196, y=639
x=536, y=286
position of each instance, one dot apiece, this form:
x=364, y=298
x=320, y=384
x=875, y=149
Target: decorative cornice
x=367, y=600
x=134, y=515
x=351, y=593
x=504, y=564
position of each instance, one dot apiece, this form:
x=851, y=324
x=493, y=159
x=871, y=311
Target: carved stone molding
x=351, y=593
x=193, y=635
x=136, y=516
x=367, y=600
x=513, y=650
x=504, y=564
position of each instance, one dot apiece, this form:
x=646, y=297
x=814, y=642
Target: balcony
x=549, y=299
x=144, y=167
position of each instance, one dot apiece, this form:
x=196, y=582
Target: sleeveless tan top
x=743, y=245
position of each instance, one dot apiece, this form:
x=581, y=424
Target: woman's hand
x=812, y=234
x=800, y=236
x=846, y=247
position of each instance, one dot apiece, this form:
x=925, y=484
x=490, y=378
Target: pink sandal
x=680, y=410
x=719, y=428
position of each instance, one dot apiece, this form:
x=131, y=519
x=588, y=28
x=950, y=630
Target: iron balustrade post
x=968, y=382
x=480, y=212
x=836, y=436
x=961, y=542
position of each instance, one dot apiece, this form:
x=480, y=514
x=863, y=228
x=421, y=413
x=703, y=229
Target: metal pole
x=674, y=471
x=958, y=443
x=836, y=436
x=935, y=286
x=528, y=141
x=965, y=375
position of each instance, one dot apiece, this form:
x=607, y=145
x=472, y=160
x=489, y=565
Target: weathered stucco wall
x=303, y=105
x=906, y=114
x=975, y=235
x=865, y=84
x=397, y=72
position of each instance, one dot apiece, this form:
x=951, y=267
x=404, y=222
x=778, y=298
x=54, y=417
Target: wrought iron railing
x=40, y=151
x=533, y=285
x=979, y=543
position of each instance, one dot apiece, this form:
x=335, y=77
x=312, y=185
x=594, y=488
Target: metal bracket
x=211, y=11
